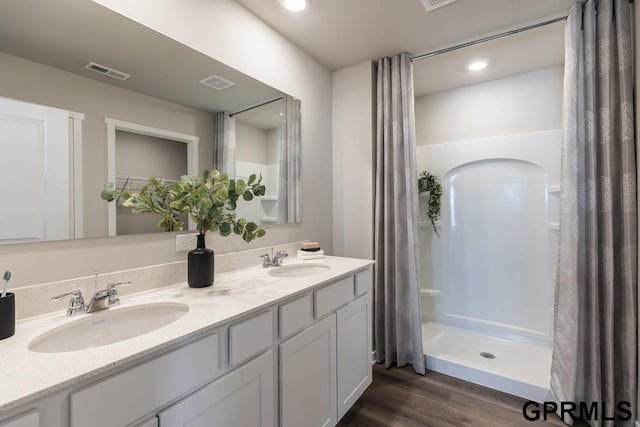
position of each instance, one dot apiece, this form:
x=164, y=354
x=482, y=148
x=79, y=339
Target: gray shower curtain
x=290, y=147
x=595, y=350
x=224, y=143
x=398, y=333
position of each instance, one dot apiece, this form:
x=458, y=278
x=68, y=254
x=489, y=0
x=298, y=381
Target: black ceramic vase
x=200, y=269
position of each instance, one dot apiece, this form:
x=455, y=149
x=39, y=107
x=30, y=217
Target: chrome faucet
x=276, y=261
x=101, y=300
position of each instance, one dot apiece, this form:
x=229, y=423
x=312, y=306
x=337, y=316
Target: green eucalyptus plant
x=428, y=182
x=209, y=200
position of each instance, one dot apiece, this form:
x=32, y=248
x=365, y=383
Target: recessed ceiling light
x=294, y=5
x=477, y=65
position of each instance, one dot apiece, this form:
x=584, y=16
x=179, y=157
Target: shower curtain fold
x=224, y=143
x=290, y=182
x=595, y=341
x=397, y=323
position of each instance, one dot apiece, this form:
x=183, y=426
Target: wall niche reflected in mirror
x=44, y=48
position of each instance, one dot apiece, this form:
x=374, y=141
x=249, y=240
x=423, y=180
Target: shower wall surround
x=495, y=147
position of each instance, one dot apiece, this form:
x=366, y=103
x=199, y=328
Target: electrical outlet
x=185, y=242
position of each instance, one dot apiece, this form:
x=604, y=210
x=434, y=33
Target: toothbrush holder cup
x=7, y=315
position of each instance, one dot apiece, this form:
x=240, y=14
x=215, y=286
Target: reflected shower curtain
x=398, y=328
x=224, y=143
x=595, y=349
x=290, y=181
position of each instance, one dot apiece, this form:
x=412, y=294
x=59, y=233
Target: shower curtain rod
x=262, y=104
x=486, y=39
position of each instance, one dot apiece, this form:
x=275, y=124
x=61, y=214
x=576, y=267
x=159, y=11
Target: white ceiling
x=519, y=53
x=265, y=117
x=339, y=33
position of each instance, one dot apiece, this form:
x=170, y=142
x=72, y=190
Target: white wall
x=251, y=144
x=227, y=32
x=353, y=160
x=522, y=103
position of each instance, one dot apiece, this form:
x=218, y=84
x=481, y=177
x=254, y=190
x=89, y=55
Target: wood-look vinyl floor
x=399, y=397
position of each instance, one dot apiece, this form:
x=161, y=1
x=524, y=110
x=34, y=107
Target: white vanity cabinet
x=325, y=368
x=299, y=362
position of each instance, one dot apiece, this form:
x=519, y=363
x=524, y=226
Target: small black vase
x=200, y=268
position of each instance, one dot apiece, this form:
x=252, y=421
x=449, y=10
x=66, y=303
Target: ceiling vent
x=217, y=82
x=107, y=71
x=430, y=5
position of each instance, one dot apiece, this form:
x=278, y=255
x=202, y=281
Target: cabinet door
x=30, y=419
x=244, y=397
x=308, y=377
x=354, y=352
x=153, y=422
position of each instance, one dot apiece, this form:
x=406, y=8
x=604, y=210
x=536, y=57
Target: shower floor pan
x=519, y=368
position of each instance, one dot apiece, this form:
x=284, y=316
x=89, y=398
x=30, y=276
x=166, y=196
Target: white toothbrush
x=6, y=277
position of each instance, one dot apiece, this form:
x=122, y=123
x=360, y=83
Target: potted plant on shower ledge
x=209, y=200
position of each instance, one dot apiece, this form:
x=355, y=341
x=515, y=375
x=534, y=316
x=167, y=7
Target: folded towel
x=304, y=255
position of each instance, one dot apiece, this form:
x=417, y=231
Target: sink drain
x=487, y=355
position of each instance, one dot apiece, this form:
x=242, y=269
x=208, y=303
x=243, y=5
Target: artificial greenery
x=428, y=182
x=209, y=200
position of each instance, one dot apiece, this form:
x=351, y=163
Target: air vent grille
x=217, y=82
x=430, y=5
x=107, y=71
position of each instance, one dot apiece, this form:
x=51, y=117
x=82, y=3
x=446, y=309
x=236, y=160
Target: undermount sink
x=298, y=270
x=108, y=327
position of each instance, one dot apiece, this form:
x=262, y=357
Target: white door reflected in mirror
x=36, y=150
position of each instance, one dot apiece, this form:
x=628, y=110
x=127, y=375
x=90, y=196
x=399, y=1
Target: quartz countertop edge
x=27, y=375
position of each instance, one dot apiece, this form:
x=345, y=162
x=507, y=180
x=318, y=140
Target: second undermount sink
x=298, y=270
x=108, y=327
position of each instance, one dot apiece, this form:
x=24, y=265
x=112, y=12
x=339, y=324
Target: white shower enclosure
x=492, y=268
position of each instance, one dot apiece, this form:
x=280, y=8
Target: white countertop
x=26, y=375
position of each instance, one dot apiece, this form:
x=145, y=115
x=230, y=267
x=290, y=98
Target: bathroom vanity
x=255, y=349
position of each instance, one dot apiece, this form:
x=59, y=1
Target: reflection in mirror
x=44, y=47
x=264, y=139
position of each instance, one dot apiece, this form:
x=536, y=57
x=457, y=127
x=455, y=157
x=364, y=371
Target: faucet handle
x=111, y=287
x=75, y=293
x=266, y=261
x=76, y=303
x=113, y=293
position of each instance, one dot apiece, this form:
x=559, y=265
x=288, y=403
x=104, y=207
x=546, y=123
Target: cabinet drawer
x=295, y=315
x=249, y=337
x=333, y=296
x=364, y=282
x=150, y=385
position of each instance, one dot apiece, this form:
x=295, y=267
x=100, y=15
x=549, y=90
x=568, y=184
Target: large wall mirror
x=88, y=96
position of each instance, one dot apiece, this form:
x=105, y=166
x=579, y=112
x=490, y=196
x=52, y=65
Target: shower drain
x=487, y=355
